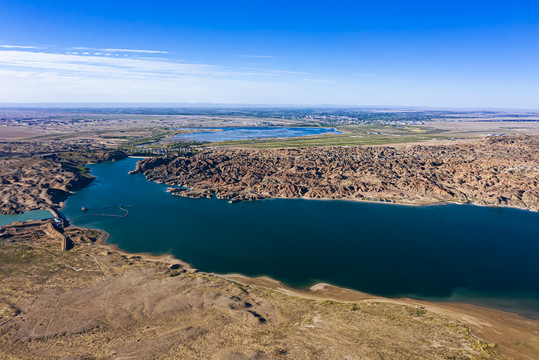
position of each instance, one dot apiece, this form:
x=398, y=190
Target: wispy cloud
x=18, y=47
x=97, y=65
x=137, y=51
x=259, y=56
x=91, y=63
x=86, y=74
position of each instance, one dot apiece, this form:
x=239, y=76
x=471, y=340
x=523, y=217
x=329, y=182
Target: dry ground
x=93, y=303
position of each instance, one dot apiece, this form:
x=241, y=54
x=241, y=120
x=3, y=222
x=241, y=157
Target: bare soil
x=93, y=303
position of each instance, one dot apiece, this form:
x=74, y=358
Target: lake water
x=249, y=133
x=482, y=255
x=29, y=215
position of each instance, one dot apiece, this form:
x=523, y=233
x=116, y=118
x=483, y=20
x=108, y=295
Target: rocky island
x=491, y=171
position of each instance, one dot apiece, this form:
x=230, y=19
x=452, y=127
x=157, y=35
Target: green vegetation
x=129, y=137
x=183, y=145
x=83, y=169
x=63, y=136
x=421, y=312
x=16, y=254
x=157, y=135
x=162, y=149
x=353, y=135
x=153, y=145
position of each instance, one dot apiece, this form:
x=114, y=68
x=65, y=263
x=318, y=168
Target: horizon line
x=48, y=105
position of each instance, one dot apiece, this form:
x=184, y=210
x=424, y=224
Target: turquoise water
x=29, y=215
x=483, y=255
x=248, y=133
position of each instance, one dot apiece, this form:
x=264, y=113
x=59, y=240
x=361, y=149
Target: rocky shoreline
x=502, y=171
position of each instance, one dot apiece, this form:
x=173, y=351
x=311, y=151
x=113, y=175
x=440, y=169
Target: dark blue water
x=249, y=133
x=484, y=255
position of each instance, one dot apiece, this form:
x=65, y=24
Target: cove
x=483, y=255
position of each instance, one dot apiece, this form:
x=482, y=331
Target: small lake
x=29, y=215
x=483, y=255
x=250, y=133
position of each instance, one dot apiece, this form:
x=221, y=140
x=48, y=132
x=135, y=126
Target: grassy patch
x=353, y=135
x=16, y=254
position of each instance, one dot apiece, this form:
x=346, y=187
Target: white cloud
x=18, y=47
x=259, y=56
x=93, y=65
x=39, y=76
x=136, y=51
x=53, y=87
x=120, y=50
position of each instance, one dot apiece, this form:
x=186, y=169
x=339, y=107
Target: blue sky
x=394, y=53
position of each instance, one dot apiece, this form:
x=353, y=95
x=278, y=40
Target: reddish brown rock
x=32, y=181
x=493, y=171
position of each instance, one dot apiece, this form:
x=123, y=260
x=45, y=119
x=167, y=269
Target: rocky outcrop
x=492, y=171
x=107, y=155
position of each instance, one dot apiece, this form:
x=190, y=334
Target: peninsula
x=491, y=171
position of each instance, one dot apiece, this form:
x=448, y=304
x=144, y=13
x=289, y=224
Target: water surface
x=249, y=133
x=483, y=255
x=29, y=215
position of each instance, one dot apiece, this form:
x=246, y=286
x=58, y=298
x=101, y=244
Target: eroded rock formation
x=491, y=171
x=33, y=181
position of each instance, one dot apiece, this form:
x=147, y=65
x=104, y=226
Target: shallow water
x=29, y=215
x=483, y=255
x=248, y=133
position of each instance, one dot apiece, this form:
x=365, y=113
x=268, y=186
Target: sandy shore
x=515, y=336
x=168, y=259
x=411, y=203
